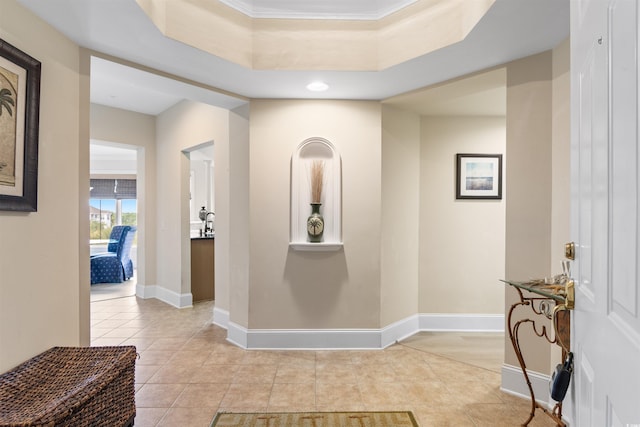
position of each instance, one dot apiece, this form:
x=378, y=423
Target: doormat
x=315, y=419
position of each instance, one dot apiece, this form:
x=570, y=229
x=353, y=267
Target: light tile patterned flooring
x=187, y=372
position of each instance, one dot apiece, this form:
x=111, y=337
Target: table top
x=212, y=237
x=552, y=291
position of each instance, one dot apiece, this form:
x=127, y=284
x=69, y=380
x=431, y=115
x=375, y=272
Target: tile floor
x=187, y=371
x=481, y=349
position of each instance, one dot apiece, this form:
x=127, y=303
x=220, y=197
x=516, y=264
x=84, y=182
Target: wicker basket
x=71, y=386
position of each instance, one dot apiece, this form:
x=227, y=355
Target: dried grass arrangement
x=317, y=181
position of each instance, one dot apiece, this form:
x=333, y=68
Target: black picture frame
x=479, y=176
x=20, y=102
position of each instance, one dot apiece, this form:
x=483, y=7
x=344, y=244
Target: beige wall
x=181, y=127
x=462, y=247
x=293, y=289
x=232, y=196
x=538, y=118
x=44, y=300
x=560, y=164
x=400, y=216
x=139, y=131
x=529, y=202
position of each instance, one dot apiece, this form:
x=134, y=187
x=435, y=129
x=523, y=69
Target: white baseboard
x=399, y=330
x=513, y=382
x=221, y=317
x=145, y=292
x=353, y=338
x=165, y=295
x=462, y=322
x=237, y=334
x=303, y=339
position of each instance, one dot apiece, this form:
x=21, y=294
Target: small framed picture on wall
x=478, y=176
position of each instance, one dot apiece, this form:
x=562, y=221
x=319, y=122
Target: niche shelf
x=308, y=151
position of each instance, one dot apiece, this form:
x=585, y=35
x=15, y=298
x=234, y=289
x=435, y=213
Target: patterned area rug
x=315, y=419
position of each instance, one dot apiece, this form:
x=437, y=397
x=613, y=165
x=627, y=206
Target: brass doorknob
x=570, y=251
x=570, y=297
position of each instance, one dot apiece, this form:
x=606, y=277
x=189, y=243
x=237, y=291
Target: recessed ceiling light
x=317, y=86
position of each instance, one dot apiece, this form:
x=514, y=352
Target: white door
x=605, y=212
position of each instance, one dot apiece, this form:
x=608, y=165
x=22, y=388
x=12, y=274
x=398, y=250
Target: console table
x=545, y=302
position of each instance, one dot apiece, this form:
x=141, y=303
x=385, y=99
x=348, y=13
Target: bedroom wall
x=44, y=297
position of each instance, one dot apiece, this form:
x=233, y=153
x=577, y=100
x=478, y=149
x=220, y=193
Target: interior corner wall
x=232, y=195
x=462, y=242
x=528, y=176
x=183, y=126
x=292, y=289
x=136, y=130
x=400, y=215
x=41, y=290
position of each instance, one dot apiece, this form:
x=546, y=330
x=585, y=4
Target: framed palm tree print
x=19, y=128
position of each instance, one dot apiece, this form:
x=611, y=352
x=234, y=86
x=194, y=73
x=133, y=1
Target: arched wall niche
x=308, y=151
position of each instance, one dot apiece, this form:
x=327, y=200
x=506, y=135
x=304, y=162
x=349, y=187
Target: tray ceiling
x=314, y=9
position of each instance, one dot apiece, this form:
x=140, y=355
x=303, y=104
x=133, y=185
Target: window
x=112, y=202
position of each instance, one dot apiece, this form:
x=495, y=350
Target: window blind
x=113, y=189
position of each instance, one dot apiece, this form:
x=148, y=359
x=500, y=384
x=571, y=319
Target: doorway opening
x=113, y=202
x=202, y=221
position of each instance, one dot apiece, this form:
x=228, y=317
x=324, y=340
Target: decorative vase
x=315, y=224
